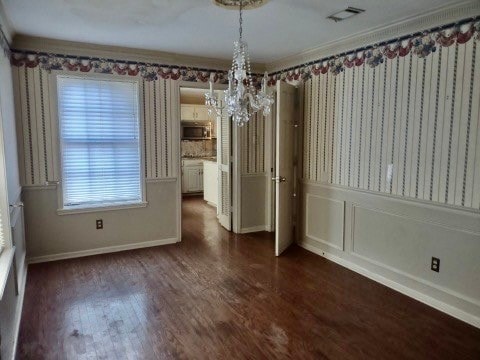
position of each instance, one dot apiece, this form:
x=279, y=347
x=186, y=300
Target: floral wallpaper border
x=149, y=72
x=421, y=45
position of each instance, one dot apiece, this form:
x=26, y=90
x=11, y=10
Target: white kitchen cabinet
x=202, y=113
x=187, y=112
x=192, y=176
x=210, y=182
x=194, y=113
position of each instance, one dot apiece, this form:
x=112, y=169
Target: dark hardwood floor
x=217, y=295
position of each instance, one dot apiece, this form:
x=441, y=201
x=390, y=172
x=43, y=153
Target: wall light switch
x=389, y=173
x=99, y=224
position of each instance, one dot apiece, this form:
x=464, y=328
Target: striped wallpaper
x=38, y=126
x=415, y=118
x=252, y=138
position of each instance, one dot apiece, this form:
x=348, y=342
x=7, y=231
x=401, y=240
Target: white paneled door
x=224, y=208
x=284, y=173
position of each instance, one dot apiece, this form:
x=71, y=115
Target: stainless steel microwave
x=196, y=130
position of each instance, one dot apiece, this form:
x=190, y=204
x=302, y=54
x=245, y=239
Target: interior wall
x=254, y=177
x=36, y=102
x=419, y=118
x=37, y=124
x=11, y=302
x=190, y=98
x=50, y=235
x=417, y=115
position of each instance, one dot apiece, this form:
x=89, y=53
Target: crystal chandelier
x=242, y=100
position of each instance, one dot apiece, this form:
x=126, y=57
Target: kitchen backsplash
x=199, y=148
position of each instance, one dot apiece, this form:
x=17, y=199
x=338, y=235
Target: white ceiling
x=197, y=27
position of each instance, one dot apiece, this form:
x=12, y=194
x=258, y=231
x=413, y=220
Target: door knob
x=279, y=179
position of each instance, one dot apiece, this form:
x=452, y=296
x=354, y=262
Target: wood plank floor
x=218, y=295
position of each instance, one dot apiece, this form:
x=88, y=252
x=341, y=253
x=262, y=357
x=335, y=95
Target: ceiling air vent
x=345, y=14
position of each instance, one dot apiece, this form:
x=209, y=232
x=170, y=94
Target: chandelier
x=242, y=99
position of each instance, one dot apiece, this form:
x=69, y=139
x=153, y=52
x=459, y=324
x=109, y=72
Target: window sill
x=73, y=210
x=6, y=259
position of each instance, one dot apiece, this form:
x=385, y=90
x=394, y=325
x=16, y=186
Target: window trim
x=6, y=261
x=8, y=251
x=65, y=210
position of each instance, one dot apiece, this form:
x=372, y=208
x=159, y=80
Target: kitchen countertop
x=206, y=158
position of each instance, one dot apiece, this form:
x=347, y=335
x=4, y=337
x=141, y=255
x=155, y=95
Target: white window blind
x=100, y=142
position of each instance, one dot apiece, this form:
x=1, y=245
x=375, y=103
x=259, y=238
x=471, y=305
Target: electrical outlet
x=435, y=264
x=99, y=224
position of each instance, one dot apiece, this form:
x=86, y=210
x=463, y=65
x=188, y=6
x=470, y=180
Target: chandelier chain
x=241, y=19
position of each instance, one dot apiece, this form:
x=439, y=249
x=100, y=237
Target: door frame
x=270, y=163
x=235, y=162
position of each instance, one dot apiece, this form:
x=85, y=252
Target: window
x=6, y=247
x=100, y=142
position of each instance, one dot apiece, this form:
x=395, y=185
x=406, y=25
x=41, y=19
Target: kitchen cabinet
x=202, y=113
x=187, y=112
x=192, y=176
x=210, y=182
x=194, y=113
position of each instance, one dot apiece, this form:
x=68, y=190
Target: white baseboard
x=254, y=229
x=103, y=250
x=428, y=300
x=18, y=313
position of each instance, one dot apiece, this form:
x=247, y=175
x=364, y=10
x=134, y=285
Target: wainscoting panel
x=325, y=220
x=408, y=127
x=407, y=245
x=392, y=240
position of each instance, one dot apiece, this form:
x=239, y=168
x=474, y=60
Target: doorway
x=207, y=157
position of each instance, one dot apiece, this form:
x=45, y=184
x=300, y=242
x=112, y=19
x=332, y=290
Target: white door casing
x=284, y=169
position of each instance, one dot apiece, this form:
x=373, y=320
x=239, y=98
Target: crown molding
x=5, y=24
x=443, y=15
x=38, y=44
x=440, y=16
